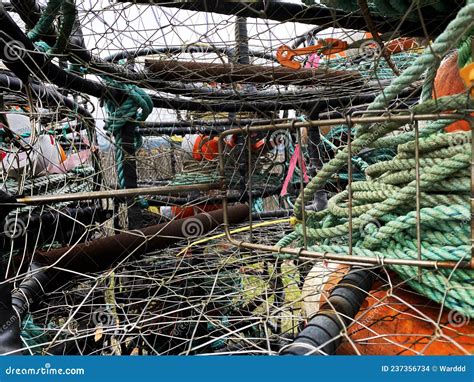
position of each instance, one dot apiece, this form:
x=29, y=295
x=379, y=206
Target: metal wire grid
x=350, y=120
x=216, y=298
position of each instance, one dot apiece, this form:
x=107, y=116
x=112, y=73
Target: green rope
x=33, y=335
x=428, y=83
x=445, y=41
x=46, y=20
x=361, y=161
x=465, y=50
x=42, y=46
x=394, y=140
x=440, y=47
x=53, y=9
x=258, y=205
x=68, y=10
x=285, y=241
x=367, y=140
x=372, y=68
x=405, y=196
x=384, y=219
x=136, y=107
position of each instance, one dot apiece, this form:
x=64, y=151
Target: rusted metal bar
x=347, y=259
x=341, y=121
x=231, y=73
x=126, y=193
x=100, y=254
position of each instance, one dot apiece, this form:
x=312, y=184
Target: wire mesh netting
x=242, y=177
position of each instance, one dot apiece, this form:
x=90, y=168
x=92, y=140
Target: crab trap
x=236, y=177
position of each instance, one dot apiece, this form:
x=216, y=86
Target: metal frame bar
x=124, y=193
x=311, y=255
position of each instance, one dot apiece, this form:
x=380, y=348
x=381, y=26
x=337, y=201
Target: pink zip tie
x=294, y=158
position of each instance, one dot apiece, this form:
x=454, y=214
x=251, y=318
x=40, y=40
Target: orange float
x=405, y=323
x=402, y=322
x=202, y=147
x=186, y=212
x=449, y=82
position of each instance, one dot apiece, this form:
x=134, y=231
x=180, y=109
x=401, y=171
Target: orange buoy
x=449, y=82
x=188, y=211
x=182, y=212
x=405, y=323
x=400, y=322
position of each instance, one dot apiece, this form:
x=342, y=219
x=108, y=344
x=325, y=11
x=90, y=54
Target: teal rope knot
x=33, y=335
x=68, y=10
x=136, y=107
x=119, y=115
x=42, y=46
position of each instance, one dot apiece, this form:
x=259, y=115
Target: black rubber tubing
x=94, y=257
x=321, y=335
x=48, y=95
x=10, y=341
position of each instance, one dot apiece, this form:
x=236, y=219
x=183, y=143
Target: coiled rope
x=384, y=217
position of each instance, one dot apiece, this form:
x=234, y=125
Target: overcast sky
x=110, y=27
